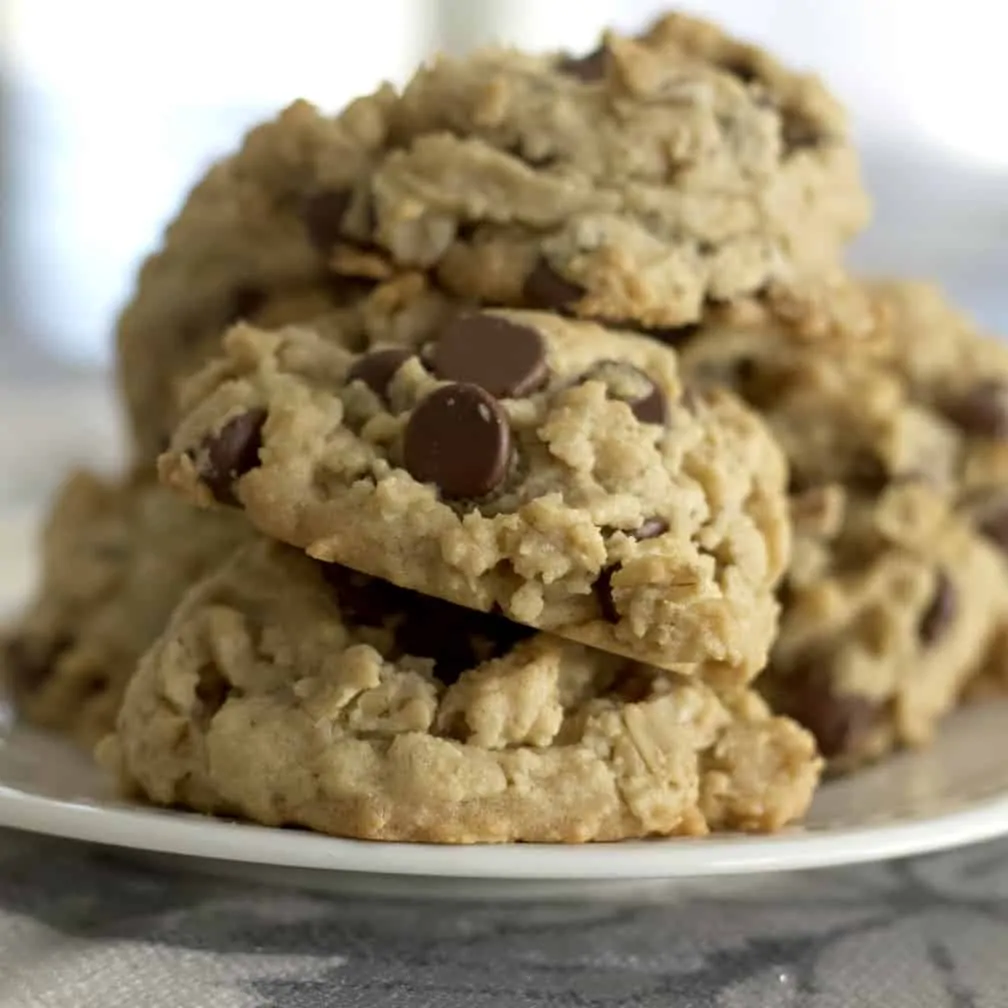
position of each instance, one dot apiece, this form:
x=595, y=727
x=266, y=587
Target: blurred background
x=110, y=108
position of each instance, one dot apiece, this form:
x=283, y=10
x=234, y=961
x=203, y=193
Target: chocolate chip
x=323, y=216
x=545, y=288
x=459, y=439
x=651, y=528
x=588, y=68
x=630, y=384
x=941, y=611
x=231, y=453
x=992, y=523
x=982, y=410
x=602, y=588
x=506, y=359
x=378, y=368
x=245, y=302
x=840, y=722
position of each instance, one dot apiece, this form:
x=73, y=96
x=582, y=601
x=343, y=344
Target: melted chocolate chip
x=323, y=216
x=505, y=359
x=378, y=368
x=603, y=594
x=587, y=68
x=982, y=410
x=459, y=439
x=839, y=721
x=941, y=611
x=231, y=452
x=455, y=638
x=545, y=288
x=631, y=385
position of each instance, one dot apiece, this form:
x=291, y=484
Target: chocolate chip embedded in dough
x=505, y=358
x=636, y=389
x=981, y=410
x=941, y=611
x=231, y=452
x=323, y=215
x=840, y=722
x=459, y=439
x=378, y=368
x=545, y=288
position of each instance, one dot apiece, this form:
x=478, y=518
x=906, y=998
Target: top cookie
x=549, y=468
x=636, y=183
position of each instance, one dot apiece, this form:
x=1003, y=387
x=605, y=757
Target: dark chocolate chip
x=545, y=288
x=590, y=67
x=231, y=452
x=840, y=722
x=245, y=302
x=941, y=611
x=651, y=528
x=603, y=593
x=378, y=368
x=506, y=359
x=982, y=410
x=459, y=439
x=640, y=393
x=323, y=216
x=992, y=523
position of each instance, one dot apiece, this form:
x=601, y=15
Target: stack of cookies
x=513, y=460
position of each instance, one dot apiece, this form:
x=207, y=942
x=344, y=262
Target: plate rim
x=190, y=834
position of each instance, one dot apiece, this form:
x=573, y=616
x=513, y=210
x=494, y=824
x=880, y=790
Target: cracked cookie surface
x=549, y=469
x=292, y=692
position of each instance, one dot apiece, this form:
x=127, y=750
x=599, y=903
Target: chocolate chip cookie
x=291, y=692
x=639, y=182
x=897, y=438
x=549, y=469
x=116, y=557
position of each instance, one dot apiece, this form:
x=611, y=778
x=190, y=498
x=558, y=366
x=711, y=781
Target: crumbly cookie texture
x=116, y=557
x=291, y=692
x=897, y=592
x=639, y=182
x=547, y=468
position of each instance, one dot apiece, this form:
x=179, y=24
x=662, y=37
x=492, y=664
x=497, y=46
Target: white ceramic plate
x=954, y=793
x=951, y=794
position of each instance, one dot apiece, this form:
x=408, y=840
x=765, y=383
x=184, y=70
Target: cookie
x=291, y=692
x=651, y=177
x=116, y=557
x=548, y=469
x=897, y=590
